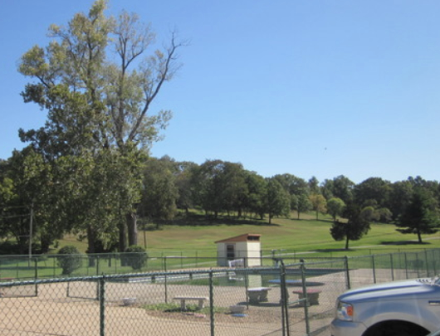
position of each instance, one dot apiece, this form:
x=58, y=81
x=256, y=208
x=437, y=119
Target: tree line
x=168, y=187
x=88, y=171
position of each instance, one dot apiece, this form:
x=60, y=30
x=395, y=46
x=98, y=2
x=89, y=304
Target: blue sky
x=311, y=88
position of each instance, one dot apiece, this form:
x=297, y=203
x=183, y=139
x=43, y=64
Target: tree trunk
x=91, y=245
x=346, y=242
x=122, y=237
x=132, y=229
x=45, y=242
x=419, y=236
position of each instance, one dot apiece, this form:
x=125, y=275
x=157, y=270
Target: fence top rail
x=109, y=277
x=40, y=257
x=215, y=271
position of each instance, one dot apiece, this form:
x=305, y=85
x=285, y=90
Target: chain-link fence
x=213, y=302
x=287, y=298
x=50, y=266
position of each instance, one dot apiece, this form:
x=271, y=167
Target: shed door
x=230, y=251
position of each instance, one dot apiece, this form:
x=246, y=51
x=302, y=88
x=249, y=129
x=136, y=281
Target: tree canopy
x=420, y=216
x=97, y=80
x=335, y=207
x=357, y=225
x=88, y=170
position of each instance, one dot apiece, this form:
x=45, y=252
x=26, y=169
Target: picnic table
x=201, y=301
x=258, y=294
x=312, y=295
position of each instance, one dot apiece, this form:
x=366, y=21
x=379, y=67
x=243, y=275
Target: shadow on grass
x=334, y=250
x=203, y=220
x=404, y=242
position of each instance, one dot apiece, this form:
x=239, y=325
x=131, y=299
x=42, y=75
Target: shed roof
x=241, y=238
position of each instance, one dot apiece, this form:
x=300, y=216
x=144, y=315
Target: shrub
x=69, y=259
x=134, y=256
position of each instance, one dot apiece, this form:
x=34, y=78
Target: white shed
x=246, y=247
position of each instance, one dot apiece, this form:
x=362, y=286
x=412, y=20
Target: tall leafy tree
x=257, y=189
x=335, y=207
x=432, y=186
x=220, y=186
x=298, y=190
x=340, y=187
x=160, y=193
x=277, y=200
x=292, y=184
x=25, y=191
x=208, y=186
x=300, y=203
x=183, y=175
x=355, y=228
x=236, y=189
x=313, y=185
x=97, y=84
x=343, y=188
x=420, y=215
x=373, y=188
x=319, y=204
x=400, y=196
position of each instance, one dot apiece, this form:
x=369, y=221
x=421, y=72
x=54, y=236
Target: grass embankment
x=194, y=240
x=197, y=238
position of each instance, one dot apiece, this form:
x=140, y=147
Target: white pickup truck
x=400, y=308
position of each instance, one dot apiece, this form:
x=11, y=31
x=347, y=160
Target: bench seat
x=201, y=300
x=258, y=294
x=312, y=295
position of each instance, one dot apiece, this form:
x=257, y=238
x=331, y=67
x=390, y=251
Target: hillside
x=197, y=236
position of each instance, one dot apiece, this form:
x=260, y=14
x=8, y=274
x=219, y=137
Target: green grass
x=294, y=236
x=193, y=246
x=287, y=234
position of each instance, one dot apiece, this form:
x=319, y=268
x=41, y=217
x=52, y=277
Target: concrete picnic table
x=312, y=295
x=258, y=294
x=201, y=301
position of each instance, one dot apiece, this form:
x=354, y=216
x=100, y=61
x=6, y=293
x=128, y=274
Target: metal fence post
x=347, y=272
x=102, y=306
x=211, y=302
x=417, y=265
x=165, y=280
x=392, y=266
x=36, y=276
x=284, y=298
x=427, y=263
x=373, y=265
x=306, y=302
x=406, y=265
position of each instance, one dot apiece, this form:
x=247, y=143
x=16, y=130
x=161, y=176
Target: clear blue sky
x=311, y=88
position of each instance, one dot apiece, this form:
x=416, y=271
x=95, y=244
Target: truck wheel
x=402, y=331
x=397, y=328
